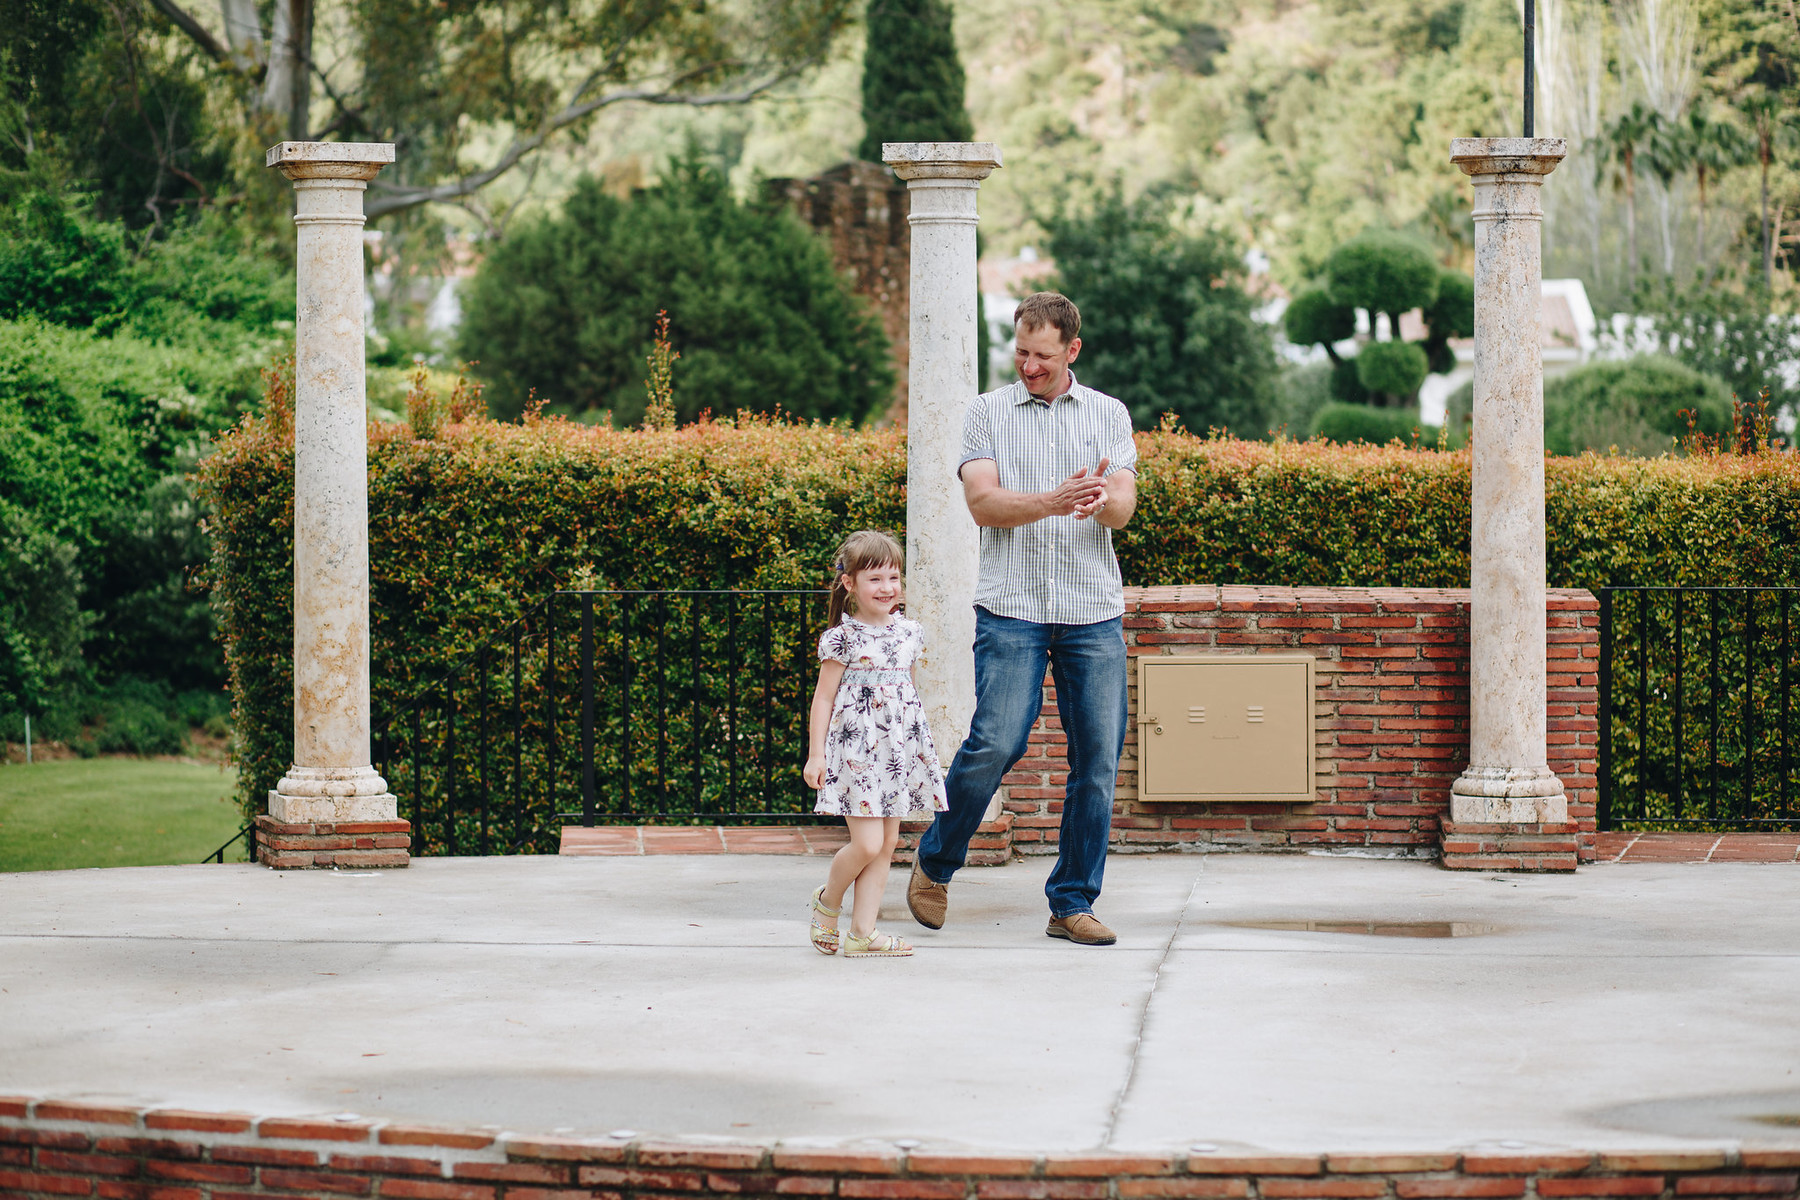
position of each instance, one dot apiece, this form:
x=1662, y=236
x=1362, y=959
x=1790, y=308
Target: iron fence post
x=1603, y=816
x=587, y=709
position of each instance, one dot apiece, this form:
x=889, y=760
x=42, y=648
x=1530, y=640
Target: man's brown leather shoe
x=1083, y=928
x=925, y=900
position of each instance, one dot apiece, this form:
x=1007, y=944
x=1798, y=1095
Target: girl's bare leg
x=871, y=881
x=851, y=861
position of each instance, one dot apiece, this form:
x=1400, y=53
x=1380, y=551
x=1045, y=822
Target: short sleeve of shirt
x=838, y=644
x=1123, y=454
x=978, y=435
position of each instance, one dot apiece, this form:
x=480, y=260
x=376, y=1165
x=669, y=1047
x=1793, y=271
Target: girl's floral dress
x=879, y=760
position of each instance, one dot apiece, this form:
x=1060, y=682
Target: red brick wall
x=58, y=1150
x=1392, y=717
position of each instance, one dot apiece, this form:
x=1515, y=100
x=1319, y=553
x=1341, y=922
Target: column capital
x=941, y=160
x=1507, y=156
x=330, y=160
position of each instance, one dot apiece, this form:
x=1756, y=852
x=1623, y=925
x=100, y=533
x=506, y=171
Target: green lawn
x=114, y=812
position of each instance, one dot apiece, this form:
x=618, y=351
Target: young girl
x=870, y=755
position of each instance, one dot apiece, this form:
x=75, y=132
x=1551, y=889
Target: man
x=1049, y=470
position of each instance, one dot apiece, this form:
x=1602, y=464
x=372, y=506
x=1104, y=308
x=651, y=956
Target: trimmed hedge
x=468, y=530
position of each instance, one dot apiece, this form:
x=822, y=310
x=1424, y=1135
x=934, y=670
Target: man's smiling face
x=1043, y=359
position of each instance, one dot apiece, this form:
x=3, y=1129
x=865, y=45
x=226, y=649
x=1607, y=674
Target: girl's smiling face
x=874, y=593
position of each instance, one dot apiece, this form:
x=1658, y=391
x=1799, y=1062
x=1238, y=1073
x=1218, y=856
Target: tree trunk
x=243, y=34
x=1666, y=227
x=1766, y=149
x=287, y=88
x=1700, y=243
x=1631, y=252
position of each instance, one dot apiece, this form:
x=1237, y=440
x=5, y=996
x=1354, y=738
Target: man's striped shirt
x=1057, y=571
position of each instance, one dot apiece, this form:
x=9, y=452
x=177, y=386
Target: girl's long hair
x=861, y=550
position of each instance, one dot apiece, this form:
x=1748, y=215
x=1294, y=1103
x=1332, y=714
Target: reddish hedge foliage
x=468, y=529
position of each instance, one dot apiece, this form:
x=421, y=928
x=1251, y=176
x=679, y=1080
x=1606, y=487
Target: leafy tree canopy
x=1166, y=323
x=760, y=317
x=469, y=90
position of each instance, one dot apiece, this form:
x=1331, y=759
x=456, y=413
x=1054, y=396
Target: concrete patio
x=1284, y=1003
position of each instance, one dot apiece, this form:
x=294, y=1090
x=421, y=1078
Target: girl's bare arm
x=831, y=673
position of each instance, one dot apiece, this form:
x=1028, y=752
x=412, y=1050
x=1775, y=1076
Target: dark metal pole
x=551, y=766
x=1786, y=762
x=1643, y=702
x=1749, y=704
x=481, y=667
x=627, y=705
x=731, y=684
x=1603, y=815
x=587, y=709
x=1712, y=705
x=450, y=765
x=1530, y=65
x=1680, y=709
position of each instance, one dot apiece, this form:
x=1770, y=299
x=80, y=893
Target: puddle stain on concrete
x=1742, y=1115
x=1395, y=929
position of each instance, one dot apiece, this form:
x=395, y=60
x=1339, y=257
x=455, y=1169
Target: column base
x=333, y=794
x=1509, y=846
x=313, y=845
x=1508, y=796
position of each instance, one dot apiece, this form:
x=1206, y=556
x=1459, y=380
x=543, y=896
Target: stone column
x=332, y=782
x=1508, y=781
x=942, y=543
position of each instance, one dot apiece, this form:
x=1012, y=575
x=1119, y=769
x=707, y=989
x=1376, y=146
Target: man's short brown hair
x=1049, y=308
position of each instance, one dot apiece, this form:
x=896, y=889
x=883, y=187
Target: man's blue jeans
x=1088, y=664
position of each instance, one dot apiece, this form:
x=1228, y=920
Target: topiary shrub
x=1314, y=318
x=1393, y=370
x=1359, y=423
x=1636, y=405
x=1388, y=274
x=1383, y=272
x=1451, y=315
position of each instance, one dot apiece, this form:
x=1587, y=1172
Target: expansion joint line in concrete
x=1137, y=1041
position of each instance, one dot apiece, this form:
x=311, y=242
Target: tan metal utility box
x=1225, y=727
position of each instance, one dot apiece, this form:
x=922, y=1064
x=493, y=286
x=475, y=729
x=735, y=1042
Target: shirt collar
x=1025, y=396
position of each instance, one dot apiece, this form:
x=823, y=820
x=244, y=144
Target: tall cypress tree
x=913, y=92
x=912, y=78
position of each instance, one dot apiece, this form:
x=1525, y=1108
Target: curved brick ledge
x=56, y=1148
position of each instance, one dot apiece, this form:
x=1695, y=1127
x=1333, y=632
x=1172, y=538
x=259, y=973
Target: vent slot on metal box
x=1225, y=727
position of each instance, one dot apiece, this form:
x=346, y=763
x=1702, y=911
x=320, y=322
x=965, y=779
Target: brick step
x=311, y=845
x=1510, y=846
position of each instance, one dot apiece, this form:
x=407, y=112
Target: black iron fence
x=639, y=707
x=1696, y=722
